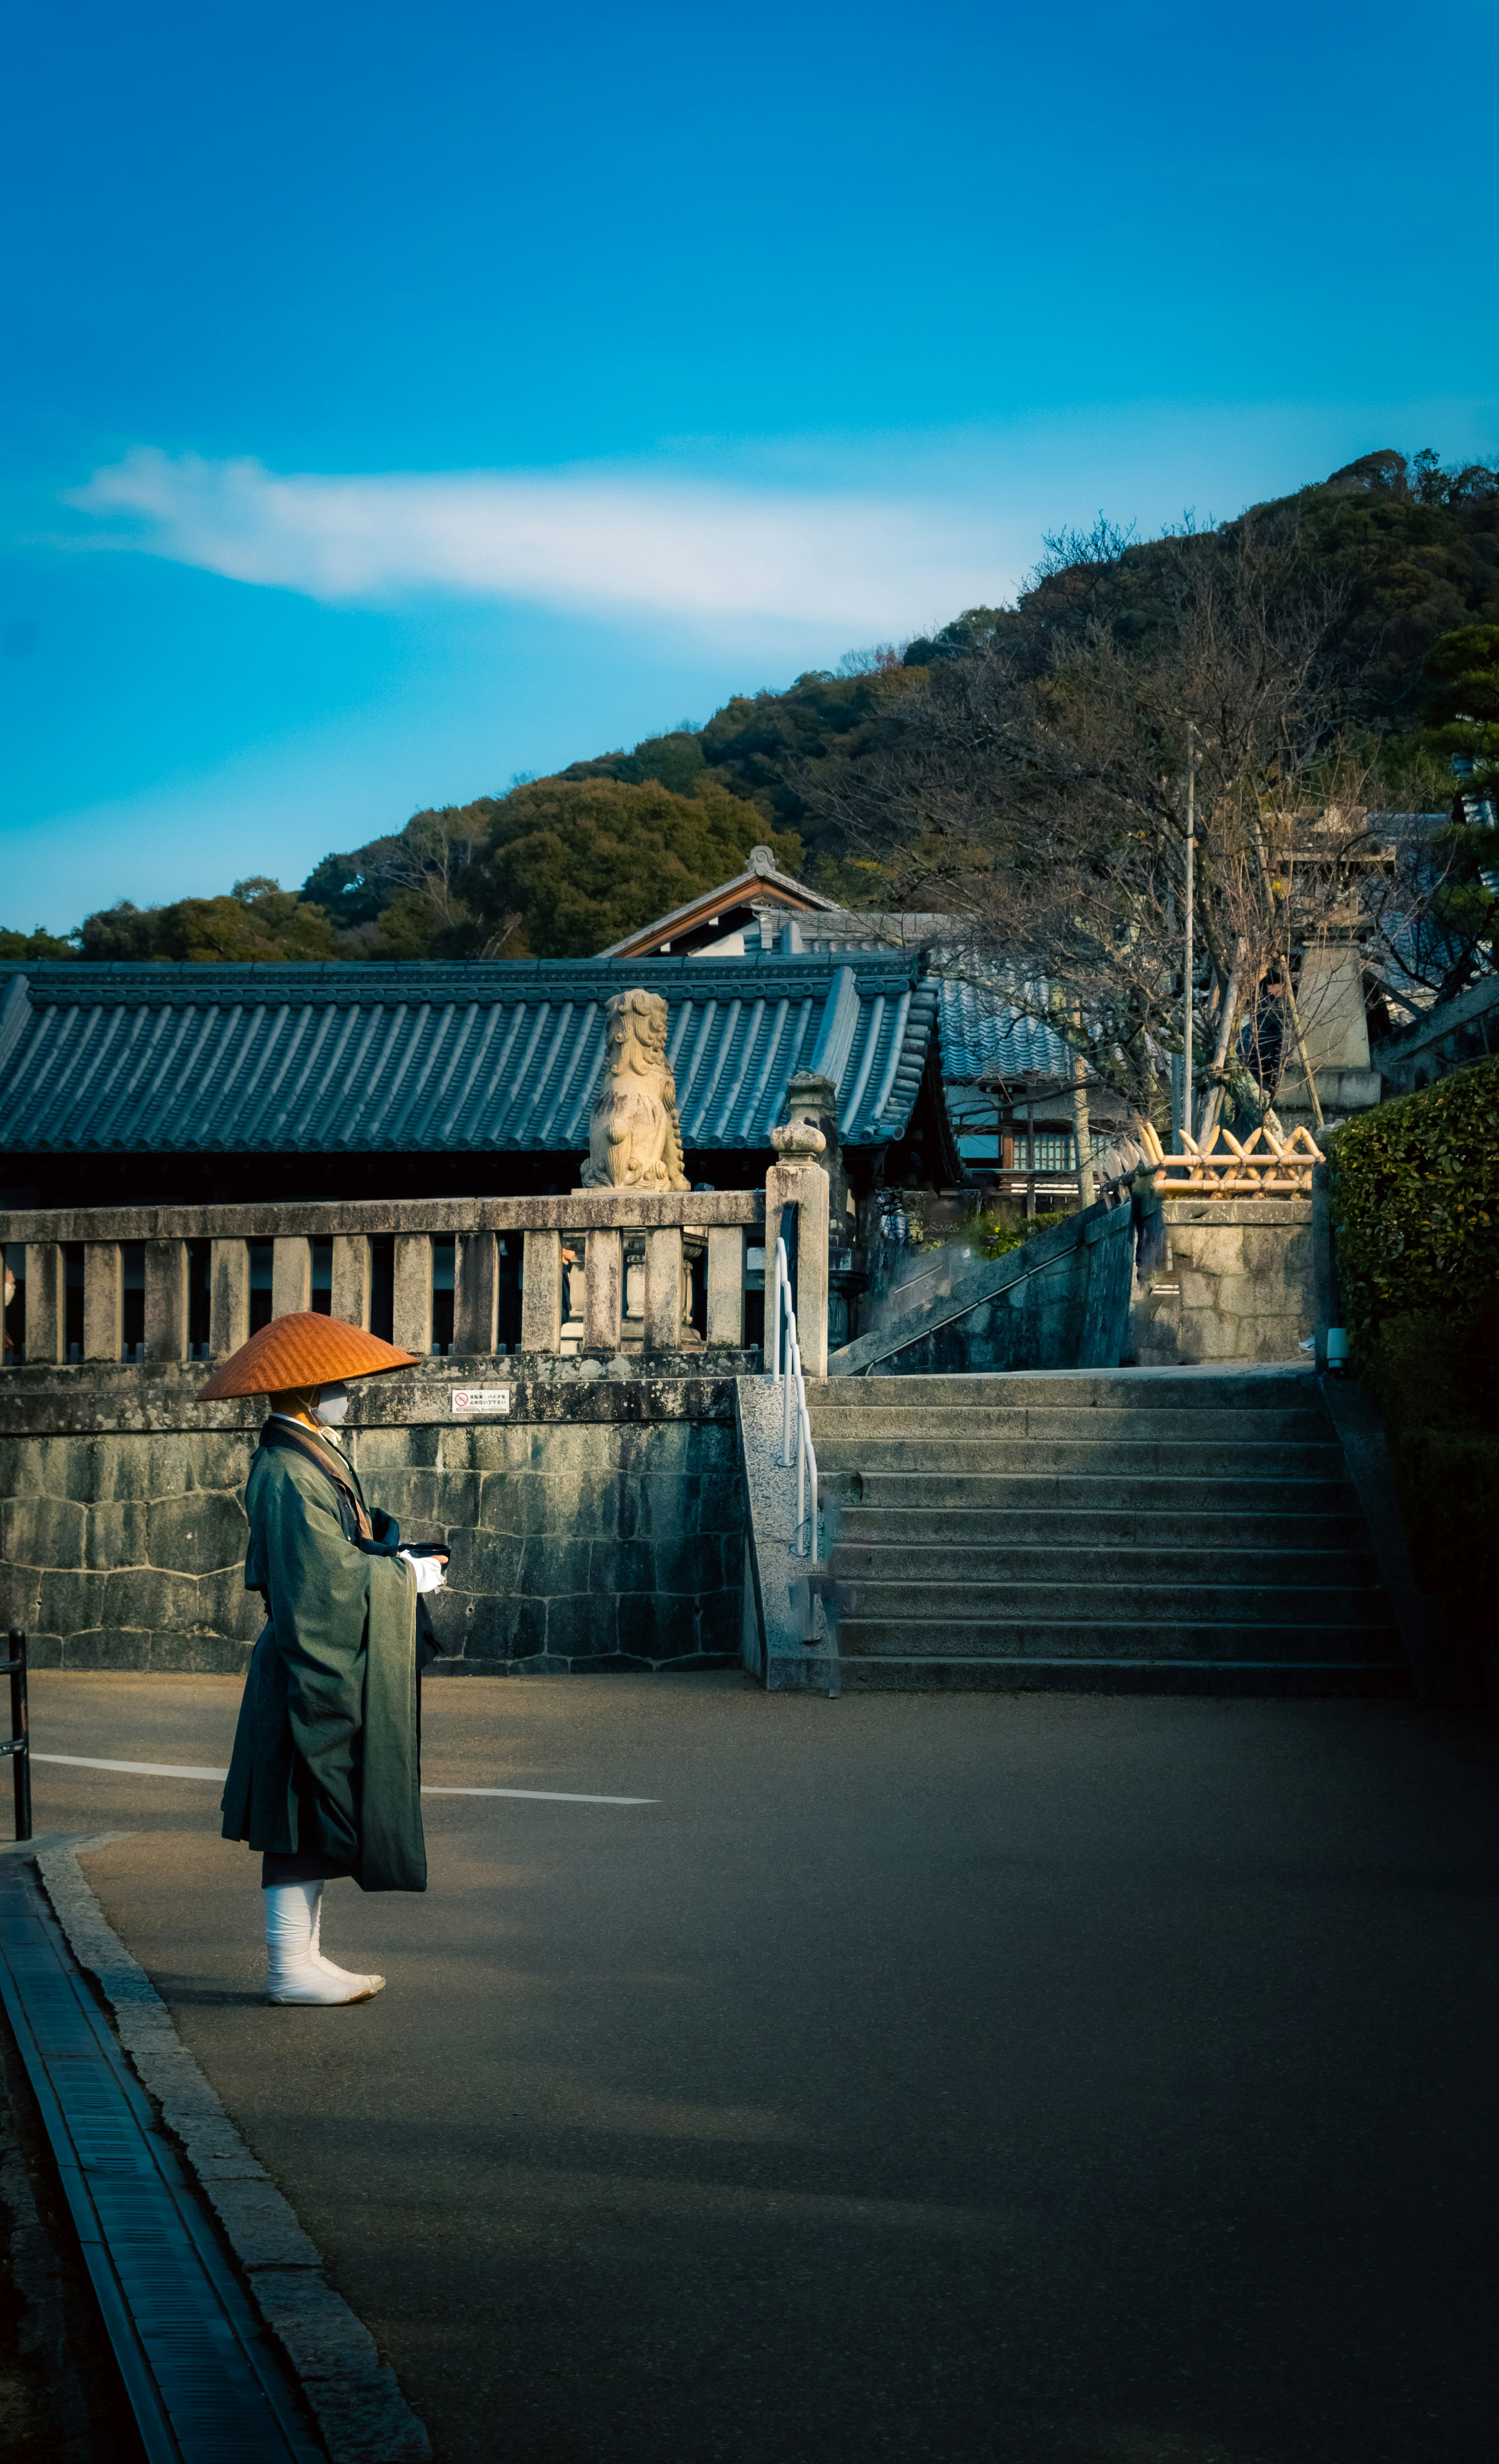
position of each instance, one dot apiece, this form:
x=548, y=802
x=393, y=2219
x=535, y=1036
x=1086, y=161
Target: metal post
x=788, y=1380
x=20, y=1753
x=800, y=1477
x=1187, y=983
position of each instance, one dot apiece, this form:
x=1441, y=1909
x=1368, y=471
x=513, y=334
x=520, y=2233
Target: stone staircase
x=1108, y=1530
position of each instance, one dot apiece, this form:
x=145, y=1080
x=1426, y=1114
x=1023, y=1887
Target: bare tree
x=1033, y=789
x=431, y=864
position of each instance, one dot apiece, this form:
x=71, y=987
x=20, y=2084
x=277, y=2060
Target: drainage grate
x=197, y=2364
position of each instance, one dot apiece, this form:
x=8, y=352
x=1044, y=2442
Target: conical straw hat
x=301, y=1348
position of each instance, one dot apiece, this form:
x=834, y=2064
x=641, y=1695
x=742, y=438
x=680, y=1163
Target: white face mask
x=332, y=1407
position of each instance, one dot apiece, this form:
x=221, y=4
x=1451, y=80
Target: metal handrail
x=787, y=1378
x=19, y=1745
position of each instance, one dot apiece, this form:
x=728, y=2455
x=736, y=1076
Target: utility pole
x=1187, y=982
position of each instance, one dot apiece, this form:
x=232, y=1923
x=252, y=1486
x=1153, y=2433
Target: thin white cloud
x=677, y=548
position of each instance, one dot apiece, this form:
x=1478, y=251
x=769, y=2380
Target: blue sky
x=401, y=399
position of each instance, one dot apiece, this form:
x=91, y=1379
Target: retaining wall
x=1061, y=1301
x=1224, y=1279
x=1157, y=1282
x=597, y=1525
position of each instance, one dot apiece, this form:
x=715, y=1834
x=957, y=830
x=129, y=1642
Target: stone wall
x=1060, y=1301
x=600, y=1525
x=1224, y=1279
x=1158, y=1284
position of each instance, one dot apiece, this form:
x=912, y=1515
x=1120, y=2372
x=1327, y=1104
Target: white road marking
x=200, y=1770
x=147, y=1770
x=548, y=1795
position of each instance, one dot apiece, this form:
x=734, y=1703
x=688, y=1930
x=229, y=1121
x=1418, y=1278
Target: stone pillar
x=104, y=1297
x=348, y=1299
x=228, y=1297
x=663, y=1332
x=166, y=1300
x=291, y=1275
x=411, y=1306
x=804, y=1187
x=475, y=1296
x=542, y=1293
x=604, y=1290
x=809, y=1146
x=46, y=1312
x=726, y=1286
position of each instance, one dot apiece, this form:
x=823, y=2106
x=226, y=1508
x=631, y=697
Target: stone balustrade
x=193, y=1281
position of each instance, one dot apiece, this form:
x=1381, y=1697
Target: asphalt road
x=1051, y=2080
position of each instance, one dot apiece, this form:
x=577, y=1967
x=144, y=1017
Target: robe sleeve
x=319, y=1587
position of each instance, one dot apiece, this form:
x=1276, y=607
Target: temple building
x=142, y=1085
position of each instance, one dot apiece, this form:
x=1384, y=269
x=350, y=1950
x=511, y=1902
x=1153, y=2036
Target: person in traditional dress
x=324, y=1778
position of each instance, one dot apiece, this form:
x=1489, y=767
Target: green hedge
x=1437, y=1383
x=1413, y=1189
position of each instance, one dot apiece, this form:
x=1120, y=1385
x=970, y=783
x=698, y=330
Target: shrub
x=1437, y=1382
x=999, y=1235
x=1414, y=1193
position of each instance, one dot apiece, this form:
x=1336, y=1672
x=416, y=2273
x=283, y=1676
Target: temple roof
x=984, y=1037
x=714, y=912
x=451, y=1058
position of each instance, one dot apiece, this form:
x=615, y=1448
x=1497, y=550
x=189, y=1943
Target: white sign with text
x=481, y=1398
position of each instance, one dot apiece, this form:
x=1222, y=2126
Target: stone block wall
x=1156, y=1284
x=600, y=1526
x=1061, y=1301
x=1232, y=1280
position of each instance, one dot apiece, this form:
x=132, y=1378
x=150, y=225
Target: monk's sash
x=290, y=1437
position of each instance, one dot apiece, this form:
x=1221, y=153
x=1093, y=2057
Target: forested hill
x=1407, y=553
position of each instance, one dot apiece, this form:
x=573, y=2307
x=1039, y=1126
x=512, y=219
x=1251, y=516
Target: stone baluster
x=291, y=1274
x=476, y=1298
x=45, y=1308
x=165, y=1264
x=411, y=1309
x=103, y=1299
x=228, y=1297
x=604, y=1290
x=662, y=1328
x=726, y=1286
x=542, y=1293
x=349, y=1297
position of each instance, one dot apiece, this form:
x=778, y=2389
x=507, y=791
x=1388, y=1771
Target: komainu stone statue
x=635, y=1138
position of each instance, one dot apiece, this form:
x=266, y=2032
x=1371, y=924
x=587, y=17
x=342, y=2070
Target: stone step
x=1039, y=1674
x=1046, y=1424
x=1131, y=1389
x=1092, y=1492
x=934, y=1561
x=920, y=1640
x=1141, y=1601
x=1061, y=1527
x=1292, y=1459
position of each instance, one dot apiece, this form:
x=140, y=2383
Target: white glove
x=430, y=1572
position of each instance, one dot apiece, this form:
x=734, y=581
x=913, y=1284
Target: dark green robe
x=327, y=1750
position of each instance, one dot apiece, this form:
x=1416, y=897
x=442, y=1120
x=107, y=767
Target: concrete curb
x=361, y=2413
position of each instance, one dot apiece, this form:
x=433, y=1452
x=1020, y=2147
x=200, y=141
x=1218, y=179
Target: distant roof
x=983, y=1036
x=690, y=923
x=986, y=1036
x=461, y=1057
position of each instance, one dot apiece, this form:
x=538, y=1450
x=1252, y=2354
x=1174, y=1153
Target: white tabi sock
x=294, y=1973
x=320, y=1959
